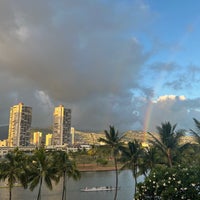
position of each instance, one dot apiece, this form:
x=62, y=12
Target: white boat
x=96, y=189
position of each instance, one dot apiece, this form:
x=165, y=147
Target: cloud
x=44, y=99
x=79, y=56
x=164, y=66
x=74, y=53
x=170, y=98
x=90, y=57
x=176, y=109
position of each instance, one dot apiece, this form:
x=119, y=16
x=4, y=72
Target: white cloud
x=175, y=109
x=170, y=98
x=44, y=99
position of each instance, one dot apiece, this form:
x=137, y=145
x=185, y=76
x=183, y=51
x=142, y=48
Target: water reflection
x=88, y=179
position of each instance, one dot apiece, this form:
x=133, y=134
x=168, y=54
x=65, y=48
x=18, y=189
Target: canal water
x=88, y=179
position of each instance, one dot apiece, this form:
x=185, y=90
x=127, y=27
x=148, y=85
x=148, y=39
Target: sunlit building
x=3, y=143
x=37, y=138
x=48, y=140
x=72, y=135
x=61, y=125
x=19, y=125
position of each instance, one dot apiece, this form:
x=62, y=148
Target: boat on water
x=96, y=189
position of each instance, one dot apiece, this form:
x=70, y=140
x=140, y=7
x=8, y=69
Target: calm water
x=88, y=179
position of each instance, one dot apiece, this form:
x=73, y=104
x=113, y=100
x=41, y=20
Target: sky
x=133, y=64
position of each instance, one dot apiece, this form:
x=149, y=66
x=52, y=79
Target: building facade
x=37, y=138
x=61, y=125
x=19, y=125
x=72, y=135
x=48, y=140
x=3, y=143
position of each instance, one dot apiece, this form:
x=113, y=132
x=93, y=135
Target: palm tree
x=12, y=169
x=196, y=134
x=149, y=159
x=113, y=141
x=168, y=139
x=131, y=157
x=196, y=147
x=41, y=169
x=66, y=168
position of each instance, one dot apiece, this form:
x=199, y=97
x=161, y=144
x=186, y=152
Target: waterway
x=88, y=179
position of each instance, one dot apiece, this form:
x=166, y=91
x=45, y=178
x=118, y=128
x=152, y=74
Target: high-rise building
x=61, y=125
x=48, y=140
x=19, y=125
x=37, y=138
x=72, y=134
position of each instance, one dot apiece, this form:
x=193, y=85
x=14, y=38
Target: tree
x=114, y=142
x=150, y=158
x=131, y=157
x=196, y=134
x=66, y=168
x=178, y=182
x=168, y=140
x=42, y=169
x=12, y=169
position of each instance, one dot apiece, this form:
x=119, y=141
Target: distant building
x=48, y=140
x=37, y=138
x=72, y=135
x=61, y=125
x=19, y=125
x=3, y=143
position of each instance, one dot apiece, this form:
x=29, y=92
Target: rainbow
x=147, y=120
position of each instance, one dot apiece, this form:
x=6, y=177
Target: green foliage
x=131, y=157
x=65, y=168
x=189, y=154
x=64, y=164
x=12, y=169
x=114, y=142
x=196, y=134
x=174, y=183
x=168, y=141
x=41, y=169
x=102, y=161
x=33, y=170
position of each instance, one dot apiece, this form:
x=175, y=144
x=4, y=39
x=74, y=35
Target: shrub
x=171, y=184
x=102, y=161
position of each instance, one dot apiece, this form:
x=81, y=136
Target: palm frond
x=48, y=182
x=196, y=135
x=156, y=142
x=197, y=123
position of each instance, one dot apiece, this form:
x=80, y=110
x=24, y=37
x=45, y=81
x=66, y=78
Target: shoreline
x=94, y=167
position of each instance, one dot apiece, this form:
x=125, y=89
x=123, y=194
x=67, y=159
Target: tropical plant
x=196, y=134
x=66, y=169
x=101, y=161
x=113, y=141
x=12, y=169
x=151, y=157
x=178, y=182
x=41, y=169
x=131, y=157
x=168, y=140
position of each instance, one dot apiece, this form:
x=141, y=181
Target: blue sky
x=131, y=63
x=175, y=28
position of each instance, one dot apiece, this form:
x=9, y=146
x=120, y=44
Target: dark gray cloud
x=82, y=54
x=86, y=55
